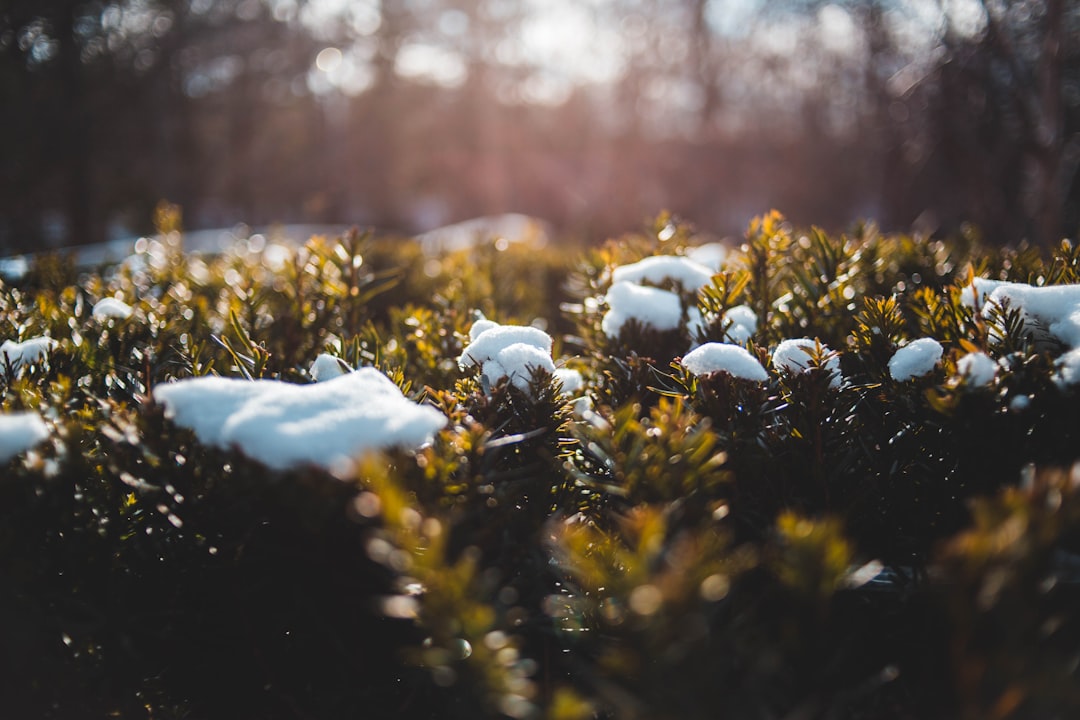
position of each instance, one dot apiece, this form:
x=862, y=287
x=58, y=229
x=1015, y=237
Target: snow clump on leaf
x=1068, y=369
x=19, y=432
x=978, y=369
x=26, y=352
x=111, y=308
x=508, y=351
x=652, y=307
x=284, y=425
x=794, y=356
x=710, y=255
x=743, y=324
x=326, y=367
x=720, y=357
x=655, y=270
x=571, y=380
x=1053, y=310
x=916, y=359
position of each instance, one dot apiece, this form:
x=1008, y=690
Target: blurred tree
x=103, y=103
x=405, y=114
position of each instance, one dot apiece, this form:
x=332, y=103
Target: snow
x=695, y=323
x=111, y=308
x=1019, y=403
x=480, y=326
x=916, y=359
x=571, y=380
x=1068, y=369
x=691, y=275
x=517, y=362
x=976, y=294
x=722, y=357
x=284, y=425
x=653, y=307
x=977, y=368
x=793, y=356
x=507, y=351
x=492, y=340
x=19, y=432
x=710, y=255
x=1054, y=309
x=26, y=352
x=326, y=367
x=743, y=324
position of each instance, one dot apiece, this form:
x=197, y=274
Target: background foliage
x=424, y=113
x=676, y=546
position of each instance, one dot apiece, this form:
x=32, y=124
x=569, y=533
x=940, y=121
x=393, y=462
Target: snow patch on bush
x=743, y=325
x=652, y=307
x=977, y=294
x=571, y=380
x=916, y=359
x=710, y=255
x=793, y=356
x=507, y=351
x=326, y=367
x=1067, y=373
x=111, y=308
x=517, y=362
x=655, y=270
x=284, y=425
x=1054, y=309
x=978, y=369
x=721, y=357
x=26, y=352
x=19, y=432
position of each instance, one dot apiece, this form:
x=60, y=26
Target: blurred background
x=594, y=115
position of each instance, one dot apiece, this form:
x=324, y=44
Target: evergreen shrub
x=833, y=543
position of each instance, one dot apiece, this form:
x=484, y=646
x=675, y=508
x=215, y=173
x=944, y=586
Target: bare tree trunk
x=1039, y=97
x=704, y=66
x=1049, y=130
x=74, y=145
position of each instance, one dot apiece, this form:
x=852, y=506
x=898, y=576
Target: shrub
x=831, y=541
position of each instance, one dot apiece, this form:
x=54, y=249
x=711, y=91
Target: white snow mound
x=1068, y=369
x=650, y=306
x=793, y=356
x=979, y=291
x=571, y=380
x=19, y=432
x=656, y=269
x=978, y=369
x=517, y=362
x=326, y=367
x=26, y=352
x=507, y=351
x=284, y=425
x=743, y=324
x=711, y=255
x=1053, y=310
x=722, y=357
x=488, y=343
x=916, y=359
x=111, y=308
x=480, y=326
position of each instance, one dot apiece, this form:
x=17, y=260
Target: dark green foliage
x=659, y=545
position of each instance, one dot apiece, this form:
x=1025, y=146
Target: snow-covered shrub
x=826, y=475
